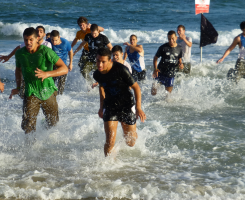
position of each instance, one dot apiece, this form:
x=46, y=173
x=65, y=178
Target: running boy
x=116, y=100
x=95, y=40
x=62, y=48
x=171, y=54
x=85, y=29
x=35, y=62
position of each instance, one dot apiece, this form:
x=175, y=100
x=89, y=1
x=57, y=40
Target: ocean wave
x=117, y=36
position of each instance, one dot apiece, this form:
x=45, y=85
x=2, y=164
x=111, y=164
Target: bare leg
x=111, y=133
x=130, y=134
x=169, y=89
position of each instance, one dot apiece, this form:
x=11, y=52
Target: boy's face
x=41, y=33
x=95, y=34
x=55, y=40
x=117, y=56
x=181, y=31
x=172, y=39
x=133, y=40
x=83, y=26
x=103, y=63
x=31, y=42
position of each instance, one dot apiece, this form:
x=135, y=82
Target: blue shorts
x=166, y=81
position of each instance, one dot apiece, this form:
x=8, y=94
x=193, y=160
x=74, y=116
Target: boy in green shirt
x=35, y=62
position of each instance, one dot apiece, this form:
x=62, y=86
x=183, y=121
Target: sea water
x=190, y=147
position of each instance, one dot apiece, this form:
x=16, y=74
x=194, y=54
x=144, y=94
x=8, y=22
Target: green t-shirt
x=44, y=58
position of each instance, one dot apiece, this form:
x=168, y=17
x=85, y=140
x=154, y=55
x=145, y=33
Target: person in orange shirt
x=85, y=29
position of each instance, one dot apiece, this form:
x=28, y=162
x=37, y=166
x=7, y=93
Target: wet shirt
x=95, y=43
x=44, y=58
x=62, y=49
x=241, y=54
x=169, y=59
x=186, y=50
x=81, y=35
x=116, y=85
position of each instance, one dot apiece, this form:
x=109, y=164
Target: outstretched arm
x=61, y=70
x=74, y=42
x=79, y=47
x=6, y=58
x=138, y=48
x=109, y=46
x=125, y=54
x=227, y=52
x=70, y=53
x=137, y=93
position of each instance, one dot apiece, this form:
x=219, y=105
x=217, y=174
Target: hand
x=182, y=37
x=141, y=114
x=4, y=59
x=1, y=86
x=14, y=92
x=94, y=85
x=181, y=66
x=41, y=74
x=155, y=73
x=100, y=113
x=220, y=60
x=70, y=67
x=126, y=43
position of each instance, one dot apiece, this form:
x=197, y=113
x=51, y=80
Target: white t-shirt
x=128, y=66
x=186, y=50
x=45, y=43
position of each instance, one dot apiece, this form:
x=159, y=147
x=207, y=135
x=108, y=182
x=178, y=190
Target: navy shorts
x=126, y=115
x=166, y=81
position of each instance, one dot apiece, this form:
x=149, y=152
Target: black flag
x=208, y=33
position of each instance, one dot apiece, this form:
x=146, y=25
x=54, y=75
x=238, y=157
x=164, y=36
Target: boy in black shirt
x=170, y=54
x=116, y=100
x=95, y=41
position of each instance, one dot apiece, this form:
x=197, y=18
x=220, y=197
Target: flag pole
x=200, y=41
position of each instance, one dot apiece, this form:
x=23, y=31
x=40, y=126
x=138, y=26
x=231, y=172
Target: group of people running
x=41, y=70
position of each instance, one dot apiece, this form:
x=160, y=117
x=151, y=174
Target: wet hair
x=30, y=31
x=54, y=33
x=104, y=52
x=171, y=33
x=41, y=28
x=82, y=20
x=48, y=35
x=94, y=27
x=181, y=26
x=242, y=25
x=133, y=36
x=117, y=48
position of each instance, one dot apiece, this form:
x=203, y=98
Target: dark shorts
x=126, y=115
x=166, y=81
x=138, y=76
x=237, y=73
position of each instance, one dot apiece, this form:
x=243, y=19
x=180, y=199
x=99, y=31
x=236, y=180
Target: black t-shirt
x=116, y=85
x=169, y=59
x=95, y=43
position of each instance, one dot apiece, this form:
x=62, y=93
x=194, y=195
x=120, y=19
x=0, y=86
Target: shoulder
x=189, y=39
x=96, y=75
x=64, y=40
x=20, y=51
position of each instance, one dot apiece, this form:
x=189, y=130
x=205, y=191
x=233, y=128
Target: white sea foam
x=117, y=36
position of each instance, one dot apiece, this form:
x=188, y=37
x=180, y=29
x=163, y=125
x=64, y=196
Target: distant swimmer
x=94, y=40
x=135, y=54
x=186, y=44
x=164, y=72
x=1, y=86
x=116, y=101
x=239, y=40
x=117, y=54
x=62, y=48
x=84, y=62
x=41, y=41
x=35, y=62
